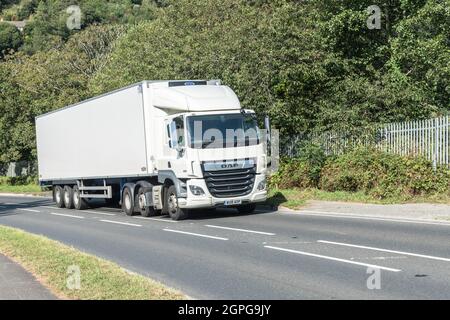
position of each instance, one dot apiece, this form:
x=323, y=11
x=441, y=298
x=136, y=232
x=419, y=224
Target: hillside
x=309, y=65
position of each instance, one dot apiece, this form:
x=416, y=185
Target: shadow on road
x=204, y=214
x=198, y=214
x=7, y=209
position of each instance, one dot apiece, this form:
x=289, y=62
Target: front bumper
x=208, y=201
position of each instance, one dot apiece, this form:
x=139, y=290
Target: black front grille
x=230, y=183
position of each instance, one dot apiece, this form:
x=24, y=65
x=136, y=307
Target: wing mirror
x=267, y=128
x=180, y=150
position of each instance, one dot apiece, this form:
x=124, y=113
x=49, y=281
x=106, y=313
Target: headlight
x=262, y=185
x=196, y=190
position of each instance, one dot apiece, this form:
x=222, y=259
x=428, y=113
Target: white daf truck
x=156, y=147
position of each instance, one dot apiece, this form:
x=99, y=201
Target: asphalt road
x=267, y=255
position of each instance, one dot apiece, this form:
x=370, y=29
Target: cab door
x=175, y=146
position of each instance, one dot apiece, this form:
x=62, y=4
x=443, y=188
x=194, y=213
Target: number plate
x=232, y=202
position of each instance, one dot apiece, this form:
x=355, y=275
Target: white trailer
x=156, y=147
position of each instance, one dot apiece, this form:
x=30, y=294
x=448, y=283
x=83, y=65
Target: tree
x=310, y=65
x=5, y=3
x=10, y=38
x=263, y=50
x=17, y=136
x=48, y=28
x=421, y=52
x=33, y=85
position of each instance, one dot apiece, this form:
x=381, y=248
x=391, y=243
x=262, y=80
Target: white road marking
x=242, y=230
x=66, y=215
x=333, y=259
x=29, y=210
x=98, y=212
x=386, y=250
x=287, y=242
x=156, y=219
x=123, y=223
x=196, y=234
x=377, y=258
x=81, y=211
x=354, y=216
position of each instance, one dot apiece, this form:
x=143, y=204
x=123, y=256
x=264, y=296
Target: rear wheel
x=68, y=197
x=78, y=202
x=59, y=195
x=175, y=212
x=247, y=208
x=127, y=202
x=145, y=211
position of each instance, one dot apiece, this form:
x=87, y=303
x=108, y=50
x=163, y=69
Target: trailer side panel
x=103, y=137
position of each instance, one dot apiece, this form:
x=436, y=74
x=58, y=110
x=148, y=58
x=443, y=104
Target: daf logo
x=229, y=165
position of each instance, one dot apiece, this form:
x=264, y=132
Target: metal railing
x=428, y=138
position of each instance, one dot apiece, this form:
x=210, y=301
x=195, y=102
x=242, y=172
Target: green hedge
x=302, y=172
x=373, y=172
x=18, y=181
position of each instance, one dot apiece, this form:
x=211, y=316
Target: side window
x=169, y=136
x=179, y=125
x=175, y=131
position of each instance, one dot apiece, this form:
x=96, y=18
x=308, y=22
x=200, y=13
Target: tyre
x=145, y=211
x=68, y=197
x=127, y=202
x=78, y=202
x=59, y=196
x=175, y=212
x=247, y=208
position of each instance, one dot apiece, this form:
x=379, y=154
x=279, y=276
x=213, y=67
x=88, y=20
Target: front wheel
x=127, y=202
x=175, y=212
x=247, y=208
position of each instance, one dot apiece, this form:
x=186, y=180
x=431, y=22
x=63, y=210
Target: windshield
x=222, y=131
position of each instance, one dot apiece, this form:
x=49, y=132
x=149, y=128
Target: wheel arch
x=134, y=188
x=168, y=177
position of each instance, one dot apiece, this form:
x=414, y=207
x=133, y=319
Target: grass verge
x=296, y=198
x=26, y=188
x=49, y=261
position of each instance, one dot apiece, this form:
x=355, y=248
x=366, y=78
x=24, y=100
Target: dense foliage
x=10, y=39
x=308, y=64
x=373, y=172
